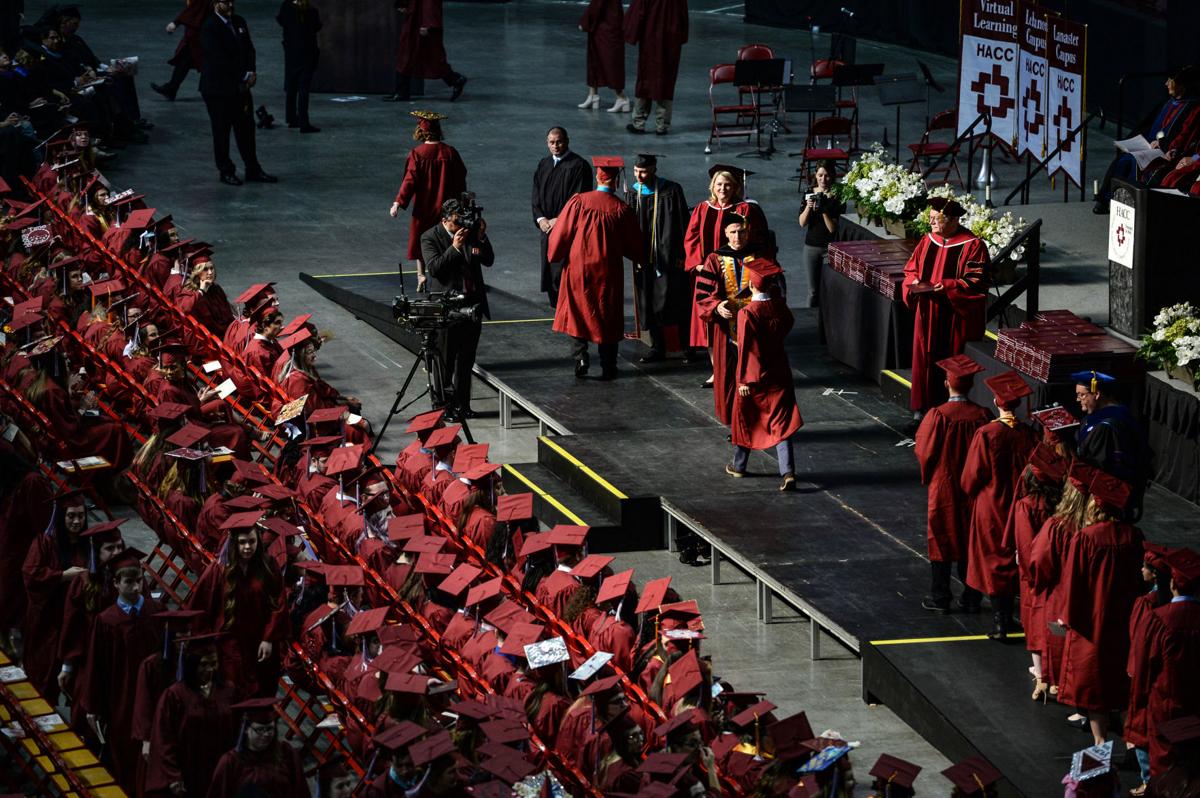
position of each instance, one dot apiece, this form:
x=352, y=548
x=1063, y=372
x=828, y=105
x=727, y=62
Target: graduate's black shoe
x=934, y=606
x=309, y=129
x=581, y=368
x=231, y=179
x=653, y=356
x=999, y=627
x=661, y=132
x=164, y=91
x=638, y=130
x=1078, y=723
x=969, y=609
x=261, y=177
x=457, y=90
x=608, y=373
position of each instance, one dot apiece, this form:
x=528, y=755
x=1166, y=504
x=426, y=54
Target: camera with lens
x=435, y=311
x=468, y=213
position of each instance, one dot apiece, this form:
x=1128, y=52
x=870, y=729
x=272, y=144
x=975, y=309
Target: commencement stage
x=642, y=459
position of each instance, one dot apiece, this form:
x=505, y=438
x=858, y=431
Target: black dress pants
x=608, y=352
x=462, y=342
x=232, y=113
x=296, y=83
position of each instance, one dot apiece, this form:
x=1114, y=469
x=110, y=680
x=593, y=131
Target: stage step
x=556, y=502
x=640, y=517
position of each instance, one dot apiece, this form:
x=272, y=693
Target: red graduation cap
x=1110, y=491
x=514, y=507
x=519, y=636
x=327, y=415
x=422, y=544
x=478, y=472
x=1179, y=731
x=258, y=710
x=140, y=219
x=568, y=535
x=682, y=720
x=247, y=520
x=608, y=684
x=505, y=729
x=484, y=591
x=960, y=370
x=661, y=763
x=534, y=544
x=410, y=683
x=321, y=442
x=685, y=673
x=400, y=736
x=609, y=164
x=189, y=435
x=434, y=564
x=369, y=688
x=443, y=436
x=590, y=566
x=367, y=621
x=252, y=293
x=761, y=270
x=973, y=775
x=424, y=422
x=168, y=411
x=344, y=576
x=614, y=587
x=431, y=748
x=653, y=594
x=247, y=502
x=1185, y=569
x=510, y=766
x=343, y=459
x=1081, y=475
x=104, y=288
x=751, y=714
x=469, y=455
x=295, y=325
x=404, y=527
x=894, y=770
x=459, y=580
x=275, y=492
x=505, y=616
x=104, y=532
x=1008, y=388
x=290, y=342
x=1048, y=465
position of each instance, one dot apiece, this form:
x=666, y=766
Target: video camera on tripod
x=434, y=311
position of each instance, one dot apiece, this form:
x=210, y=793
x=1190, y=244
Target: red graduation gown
x=1047, y=556
x=1101, y=581
x=602, y=21
x=210, y=308
x=85, y=436
x=433, y=173
x=422, y=56
x=554, y=591
x=260, y=354
x=618, y=638
x=705, y=235
x=190, y=734
x=1173, y=659
x=46, y=594
x=1028, y=515
x=24, y=514
x=259, y=614
x=946, y=320
x=660, y=28
x=189, y=50
x=997, y=455
x=276, y=773
x=479, y=527
x=108, y=682
x=1141, y=672
x=769, y=414
x=77, y=619
x=593, y=233
x=942, y=442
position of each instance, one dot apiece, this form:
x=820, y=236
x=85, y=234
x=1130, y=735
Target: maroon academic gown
x=995, y=460
x=769, y=414
x=1172, y=660
x=422, y=56
x=1028, y=515
x=258, y=615
x=190, y=734
x=46, y=594
x=1141, y=677
x=108, y=682
x=276, y=773
x=260, y=354
x=479, y=526
x=191, y=19
x=1101, y=580
x=24, y=514
x=594, y=231
x=554, y=591
x=433, y=173
x=618, y=638
x=705, y=235
x=945, y=320
x=942, y=442
x=660, y=29
x=210, y=308
x=85, y=436
x=722, y=277
x=602, y=21
x=1047, y=557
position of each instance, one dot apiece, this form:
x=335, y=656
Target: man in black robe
x=559, y=176
x=662, y=213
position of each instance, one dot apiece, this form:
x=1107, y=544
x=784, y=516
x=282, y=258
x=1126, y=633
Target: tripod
x=430, y=356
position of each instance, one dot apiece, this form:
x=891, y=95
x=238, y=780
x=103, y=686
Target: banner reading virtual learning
x=1034, y=71
x=987, y=78
x=1066, y=54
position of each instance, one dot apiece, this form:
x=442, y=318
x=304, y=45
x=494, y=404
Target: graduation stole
x=736, y=279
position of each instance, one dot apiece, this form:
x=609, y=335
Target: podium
x=1151, y=259
x=358, y=48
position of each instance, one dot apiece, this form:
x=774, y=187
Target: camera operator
x=819, y=217
x=454, y=250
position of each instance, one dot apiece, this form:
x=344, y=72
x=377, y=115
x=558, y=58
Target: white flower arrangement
x=1175, y=341
x=996, y=230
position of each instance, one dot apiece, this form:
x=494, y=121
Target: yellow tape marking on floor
x=897, y=378
x=909, y=640
x=604, y=483
x=562, y=508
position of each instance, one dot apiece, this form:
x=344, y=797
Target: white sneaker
x=592, y=101
x=620, y=106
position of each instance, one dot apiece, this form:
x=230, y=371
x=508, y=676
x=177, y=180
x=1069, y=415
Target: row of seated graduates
x=703, y=735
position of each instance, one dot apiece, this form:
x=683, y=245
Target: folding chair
x=926, y=151
x=763, y=52
x=831, y=128
x=722, y=74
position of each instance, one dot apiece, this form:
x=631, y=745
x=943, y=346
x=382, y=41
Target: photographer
x=453, y=251
x=819, y=217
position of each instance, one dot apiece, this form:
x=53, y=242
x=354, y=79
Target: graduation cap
x=519, y=635
x=459, y=580
x=247, y=520
x=250, y=473
x=129, y=557
x=295, y=325
x=1080, y=476
x=1093, y=761
x=367, y=621
x=1094, y=381
x=534, y=544
x=369, y=688
x=662, y=764
x=960, y=370
x=400, y=736
x=469, y=455
x=258, y=710
x=443, y=436
x=321, y=443
x=189, y=435
x=591, y=666
x=1047, y=464
x=609, y=165
x=344, y=576
x=568, y=535
x=484, y=591
x=614, y=587
x=431, y=748
x=276, y=493
x=590, y=566
x=894, y=770
x=761, y=270
x=290, y=342
x=511, y=766
x=139, y=219
x=685, y=673
x=22, y=321
x=505, y=729
x=681, y=721
x=327, y=415
x=752, y=714
x=647, y=160
x=507, y=615
x=424, y=544
x=427, y=120
x=1185, y=569
x=104, y=532
x=251, y=294
x=433, y=564
x=947, y=206
x=1111, y=491
x=973, y=775
x=408, y=683
x=515, y=507
x=343, y=459
x=1008, y=388
x=405, y=527
x=424, y=422
x=653, y=594
x=480, y=471
x=544, y=653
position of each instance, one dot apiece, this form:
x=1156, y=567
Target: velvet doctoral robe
x=1101, y=580
x=995, y=460
x=723, y=277
x=660, y=29
x=769, y=414
x=553, y=185
x=594, y=232
x=705, y=234
x=422, y=56
x=274, y=773
x=433, y=173
x=1028, y=515
x=191, y=733
x=947, y=319
x=942, y=442
x=603, y=21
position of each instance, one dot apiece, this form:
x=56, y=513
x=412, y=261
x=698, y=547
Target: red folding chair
x=926, y=151
x=722, y=74
x=762, y=52
x=832, y=129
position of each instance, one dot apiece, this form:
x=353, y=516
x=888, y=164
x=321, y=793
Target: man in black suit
x=453, y=255
x=226, y=78
x=558, y=177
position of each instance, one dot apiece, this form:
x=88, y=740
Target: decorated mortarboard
x=1093, y=761
x=591, y=565
x=106, y=531
x=343, y=459
x=680, y=721
x=514, y=507
x=252, y=293
x=547, y=652
x=973, y=775
x=443, y=436
x=534, y=544
x=427, y=116
x=42, y=346
x=434, y=564
x=422, y=544
x=685, y=673
x=892, y=769
x=1054, y=418
x=1185, y=567
x=752, y=714
x=1092, y=380
x=614, y=587
x=509, y=767
x=484, y=591
x=431, y=748
x=959, y=366
x=519, y=635
x=653, y=594
x=258, y=710
x=247, y=520
x=591, y=666
x=1109, y=490
x=295, y=325
x=400, y=736
x=139, y=219
x=459, y=580
x=424, y=421
x=469, y=455
x=290, y=342
x=404, y=527
x=291, y=409
x=367, y=621
x=825, y=756
x=1008, y=387
x=189, y=435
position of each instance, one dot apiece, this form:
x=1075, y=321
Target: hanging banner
x=987, y=77
x=1034, y=71
x=1067, y=56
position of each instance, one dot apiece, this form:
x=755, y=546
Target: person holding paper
x=1172, y=133
x=945, y=283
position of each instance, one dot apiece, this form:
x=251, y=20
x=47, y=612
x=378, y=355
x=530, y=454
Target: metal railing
x=1028, y=283
x=1022, y=188
x=963, y=137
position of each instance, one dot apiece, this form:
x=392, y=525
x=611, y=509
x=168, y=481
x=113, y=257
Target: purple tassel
x=242, y=733
x=223, y=556
x=371, y=766
x=91, y=557
x=167, y=642
x=53, y=518
x=179, y=666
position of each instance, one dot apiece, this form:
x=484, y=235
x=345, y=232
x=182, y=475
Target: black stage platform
x=847, y=550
